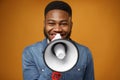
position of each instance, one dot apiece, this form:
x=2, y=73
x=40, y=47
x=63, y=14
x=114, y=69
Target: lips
x=54, y=34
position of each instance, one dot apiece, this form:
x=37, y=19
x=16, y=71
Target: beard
x=47, y=36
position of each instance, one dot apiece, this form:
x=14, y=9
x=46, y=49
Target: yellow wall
x=96, y=25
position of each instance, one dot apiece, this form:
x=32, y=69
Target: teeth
x=57, y=36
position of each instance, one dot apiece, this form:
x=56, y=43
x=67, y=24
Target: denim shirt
x=34, y=67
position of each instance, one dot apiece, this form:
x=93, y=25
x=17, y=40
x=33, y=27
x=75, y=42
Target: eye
x=51, y=23
x=64, y=24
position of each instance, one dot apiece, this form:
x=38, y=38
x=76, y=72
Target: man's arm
x=30, y=71
x=89, y=73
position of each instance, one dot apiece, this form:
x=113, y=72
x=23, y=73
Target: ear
x=71, y=24
x=44, y=23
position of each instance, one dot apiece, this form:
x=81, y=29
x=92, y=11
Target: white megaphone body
x=61, y=55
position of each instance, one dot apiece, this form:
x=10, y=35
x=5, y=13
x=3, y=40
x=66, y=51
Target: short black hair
x=58, y=5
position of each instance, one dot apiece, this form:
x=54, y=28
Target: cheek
x=48, y=28
x=67, y=29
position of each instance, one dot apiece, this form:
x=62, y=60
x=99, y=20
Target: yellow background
x=96, y=24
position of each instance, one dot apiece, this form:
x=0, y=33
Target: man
x=58, y=19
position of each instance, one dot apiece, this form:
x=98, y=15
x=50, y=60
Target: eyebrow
x=55, y=20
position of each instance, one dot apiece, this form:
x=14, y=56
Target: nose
x=58, y=28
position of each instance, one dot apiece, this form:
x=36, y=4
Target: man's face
x=57, y=21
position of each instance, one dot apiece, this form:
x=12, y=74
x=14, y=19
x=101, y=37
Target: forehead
x=57, y=15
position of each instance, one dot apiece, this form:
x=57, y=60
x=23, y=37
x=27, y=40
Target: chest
x=77, y=72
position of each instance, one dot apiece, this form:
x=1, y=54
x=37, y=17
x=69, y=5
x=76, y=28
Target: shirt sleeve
x=30, y=71
x=89, y=73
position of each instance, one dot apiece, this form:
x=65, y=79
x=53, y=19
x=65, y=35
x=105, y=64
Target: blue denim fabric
x=34, y=67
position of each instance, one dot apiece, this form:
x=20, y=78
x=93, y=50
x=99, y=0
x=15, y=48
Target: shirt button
x=78, y=69
x=43, y=70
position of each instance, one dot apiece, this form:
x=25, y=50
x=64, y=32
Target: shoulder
x=81, y=46
x=83, y=50
x=36, y=47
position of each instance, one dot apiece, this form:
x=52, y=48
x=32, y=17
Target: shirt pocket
x=76, y=73
x=45, y=73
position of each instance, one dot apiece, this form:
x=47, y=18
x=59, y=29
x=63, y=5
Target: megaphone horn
x=61, y=55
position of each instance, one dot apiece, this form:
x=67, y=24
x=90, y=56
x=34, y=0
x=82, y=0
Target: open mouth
x=53, y=35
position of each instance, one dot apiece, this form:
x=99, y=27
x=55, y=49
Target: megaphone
x=61, y=55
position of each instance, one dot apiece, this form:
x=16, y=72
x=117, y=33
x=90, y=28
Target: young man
x=58, y=19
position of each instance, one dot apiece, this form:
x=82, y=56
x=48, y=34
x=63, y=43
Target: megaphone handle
x=56, y=76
